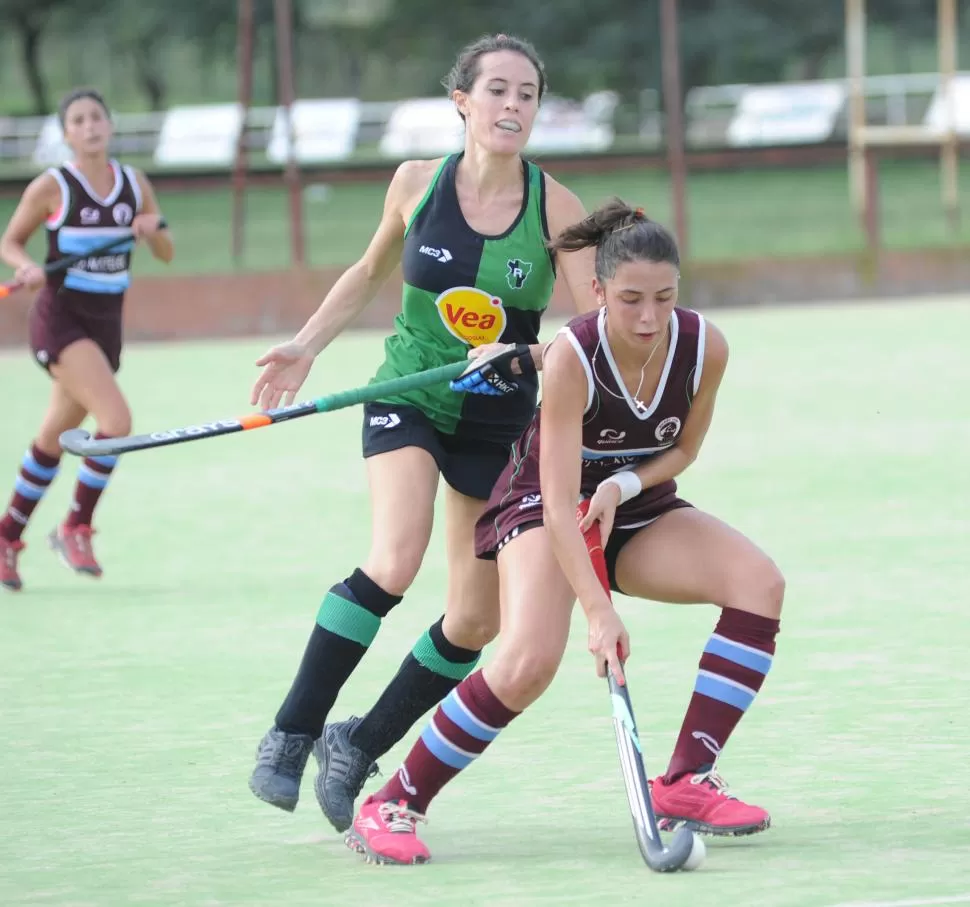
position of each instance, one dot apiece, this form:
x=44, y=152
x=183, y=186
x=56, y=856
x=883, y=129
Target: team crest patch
x=519, y=272
x=122, y=214
x=471, y=315
x=668, y=429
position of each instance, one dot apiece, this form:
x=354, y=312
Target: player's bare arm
x=578, y=269
x=565, y=390
x=286, y=366
x=358, y=285
x=147, y=223
x=39, y=201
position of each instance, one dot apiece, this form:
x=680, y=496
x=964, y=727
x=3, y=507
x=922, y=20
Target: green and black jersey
x=465, y=289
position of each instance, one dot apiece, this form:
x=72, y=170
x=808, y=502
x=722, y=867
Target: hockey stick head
x=79, y=442
x=685, y=852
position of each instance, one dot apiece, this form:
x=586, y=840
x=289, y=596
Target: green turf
x=743, y=214
x=132, y=707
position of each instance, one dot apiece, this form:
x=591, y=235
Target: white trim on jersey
x=135, y=187
x=641, y=414
x=701, y=340
x=112, y=195
x=639, y=452
x=571, y=337
x=65, y=200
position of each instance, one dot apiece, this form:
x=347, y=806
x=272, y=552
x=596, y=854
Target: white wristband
x=627, y=481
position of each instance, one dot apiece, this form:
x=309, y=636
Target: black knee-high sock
x=347, y=623
x=432, y=669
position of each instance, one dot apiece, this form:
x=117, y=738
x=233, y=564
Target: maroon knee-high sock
x=37, y=470
x=732, y=668
x=468, y=719
x=92, y=479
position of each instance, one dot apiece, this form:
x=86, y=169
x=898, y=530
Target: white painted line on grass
x=911, y=902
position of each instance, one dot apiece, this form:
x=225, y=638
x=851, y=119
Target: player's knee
x=395, y=569
x=527, y=672
x=762, y=588
x=472, y=628
x=115, y=423
x=48, y=440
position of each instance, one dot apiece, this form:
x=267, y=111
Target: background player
x=470, y=232
x=628, y=396
x=76, y=319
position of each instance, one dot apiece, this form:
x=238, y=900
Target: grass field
x=132, y=706
x=744, y=214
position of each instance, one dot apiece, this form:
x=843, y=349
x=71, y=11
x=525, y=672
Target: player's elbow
x=689, y=455
x=10, y=249
x=687, y=452
x=558, y=516
x=372, y=271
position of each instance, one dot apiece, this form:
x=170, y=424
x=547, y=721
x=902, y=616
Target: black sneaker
x=280, y=761
x=343, y=770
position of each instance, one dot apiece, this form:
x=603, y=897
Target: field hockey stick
x=61, y=264
x=79, y=442
x=686, y=850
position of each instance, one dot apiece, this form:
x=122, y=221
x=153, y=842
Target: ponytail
x=619, y=233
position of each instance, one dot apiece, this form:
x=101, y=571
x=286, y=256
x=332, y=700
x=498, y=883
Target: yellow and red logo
x=471, y=315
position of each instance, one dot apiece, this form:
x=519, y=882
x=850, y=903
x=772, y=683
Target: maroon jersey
x=84, y=221
x=619, y=432
x=85, y=300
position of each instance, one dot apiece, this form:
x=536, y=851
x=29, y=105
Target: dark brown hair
x=619, y=233
x=77, y=94
x=468, y=65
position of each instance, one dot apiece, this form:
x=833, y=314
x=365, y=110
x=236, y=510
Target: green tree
x=30, y=20
x=141, y=34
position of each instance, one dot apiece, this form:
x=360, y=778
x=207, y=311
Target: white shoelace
x=398, y=819
x=715, y=780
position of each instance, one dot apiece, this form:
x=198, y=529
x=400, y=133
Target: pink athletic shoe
x=702, y=802
x=9, y=577
x=384, y=833
x=73, y=545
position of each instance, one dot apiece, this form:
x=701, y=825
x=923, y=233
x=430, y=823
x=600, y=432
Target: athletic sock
x=37, y=471
x=92, y=479
x=732, y=669
x=463, y=726
x=431, y=670
x=347, y=623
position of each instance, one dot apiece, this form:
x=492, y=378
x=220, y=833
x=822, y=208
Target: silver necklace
x=640, y=405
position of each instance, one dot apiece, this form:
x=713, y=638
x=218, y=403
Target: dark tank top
x=464, y=289
x=619, y=432
x=84, y=221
